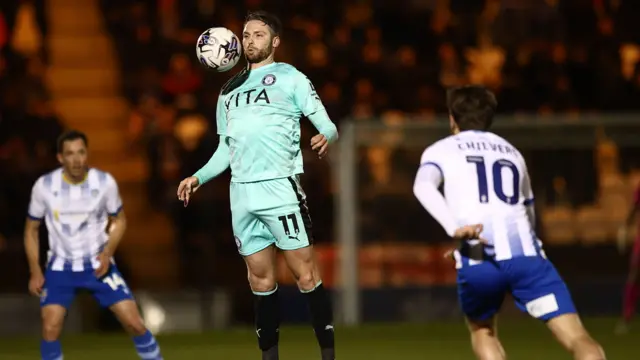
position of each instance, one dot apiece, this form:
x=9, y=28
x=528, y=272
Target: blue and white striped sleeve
x=37, y=205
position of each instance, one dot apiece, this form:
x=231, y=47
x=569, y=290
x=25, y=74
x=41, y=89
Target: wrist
x=108, y=251
x=198, y=178
x=35, y=270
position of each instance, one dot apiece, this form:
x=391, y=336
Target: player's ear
x=275, y=41
x=59, y=157
x=453, y=125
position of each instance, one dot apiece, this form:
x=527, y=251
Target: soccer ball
x=218, y=49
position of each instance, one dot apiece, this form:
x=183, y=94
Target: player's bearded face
x=74, y=158
x=256, y=55
x=257, y=41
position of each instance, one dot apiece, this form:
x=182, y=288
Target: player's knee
x=261, y=283
x=586, y=348
x=52, y=322
x=489, y=354
x=487, y=348
x=484, y=341
x=307, y=281
x=51, y=328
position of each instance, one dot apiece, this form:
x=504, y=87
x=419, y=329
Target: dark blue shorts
x=533, y=281
x=60, y=287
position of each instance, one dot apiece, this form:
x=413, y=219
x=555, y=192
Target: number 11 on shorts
x=285, y=219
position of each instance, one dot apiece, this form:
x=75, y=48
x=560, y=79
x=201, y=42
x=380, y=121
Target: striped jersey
x=76, y=216
x=486, y=182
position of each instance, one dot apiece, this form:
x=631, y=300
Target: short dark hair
x=71, y=135
x=472, y=106
x=268, y=18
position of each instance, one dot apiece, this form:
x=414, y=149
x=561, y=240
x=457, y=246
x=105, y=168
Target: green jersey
x=259, y=121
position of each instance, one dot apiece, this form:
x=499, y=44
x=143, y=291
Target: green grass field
x=523, y=340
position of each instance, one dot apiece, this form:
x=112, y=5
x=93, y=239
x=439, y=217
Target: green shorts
x=270, y=212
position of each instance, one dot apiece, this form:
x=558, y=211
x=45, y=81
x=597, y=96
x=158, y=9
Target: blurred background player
x=494, y=219
x=83, y=213
x=632, y=287
x=258, y=120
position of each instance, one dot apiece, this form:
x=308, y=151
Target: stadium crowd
x=368, y=59
x=382, y=60
x=28, y=124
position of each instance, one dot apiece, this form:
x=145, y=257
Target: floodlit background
x=567, y=78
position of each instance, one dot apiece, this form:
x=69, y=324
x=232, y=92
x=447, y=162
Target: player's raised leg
x=112, y=292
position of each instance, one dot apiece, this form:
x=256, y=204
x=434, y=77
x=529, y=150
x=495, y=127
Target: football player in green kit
x=258, y=120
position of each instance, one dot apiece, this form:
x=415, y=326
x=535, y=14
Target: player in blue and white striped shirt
x=488, y=207
x=77, y=204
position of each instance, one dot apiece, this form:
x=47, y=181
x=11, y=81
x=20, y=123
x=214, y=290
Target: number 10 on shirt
x=498, y=181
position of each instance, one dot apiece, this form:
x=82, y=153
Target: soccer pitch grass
x=523, y=339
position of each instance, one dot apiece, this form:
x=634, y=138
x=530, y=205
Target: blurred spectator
x=44, y=129
x=28, y=126
x=181, y=79
x=27, y=37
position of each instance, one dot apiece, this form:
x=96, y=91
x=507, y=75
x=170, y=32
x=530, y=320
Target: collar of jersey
x=68, y=181
x=265, y=67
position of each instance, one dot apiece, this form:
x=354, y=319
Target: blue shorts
x=60, y=287
x=533, y=281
